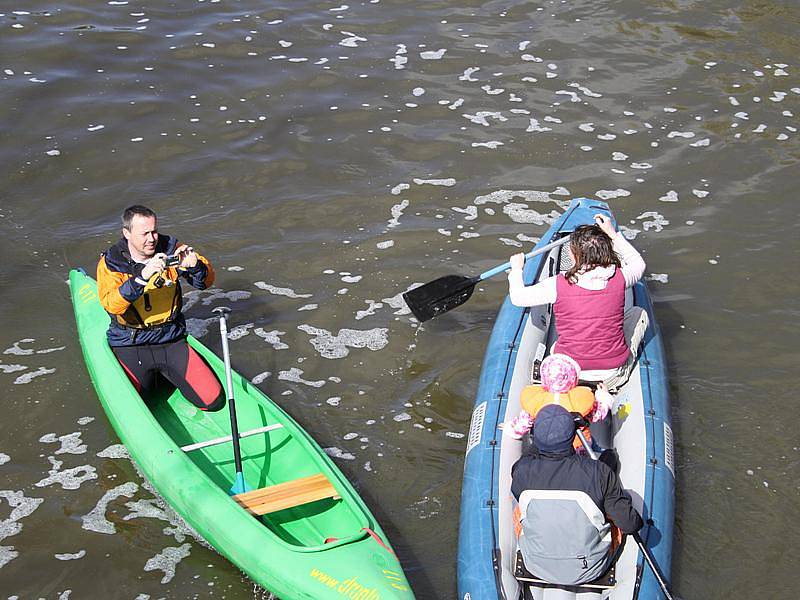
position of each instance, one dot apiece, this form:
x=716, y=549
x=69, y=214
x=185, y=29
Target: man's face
x=142, y=236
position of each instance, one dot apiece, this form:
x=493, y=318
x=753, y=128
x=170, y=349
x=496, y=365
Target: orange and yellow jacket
x=145, y=311
x=578, y=400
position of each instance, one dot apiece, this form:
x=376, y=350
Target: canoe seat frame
x=605, y=582
x=289, y=494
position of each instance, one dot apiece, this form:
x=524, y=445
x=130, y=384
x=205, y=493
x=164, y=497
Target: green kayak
x=303, y=534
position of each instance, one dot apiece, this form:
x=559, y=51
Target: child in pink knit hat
x=559, y=376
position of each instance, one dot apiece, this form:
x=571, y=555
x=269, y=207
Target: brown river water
x=328, y=155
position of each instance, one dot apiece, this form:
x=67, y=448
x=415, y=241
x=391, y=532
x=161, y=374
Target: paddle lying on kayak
x=448, y=292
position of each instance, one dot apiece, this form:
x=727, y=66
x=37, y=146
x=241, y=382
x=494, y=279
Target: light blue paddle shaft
x=531, y=254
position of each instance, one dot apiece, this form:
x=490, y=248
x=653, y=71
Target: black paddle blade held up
x=445, y=293
x=439, y=295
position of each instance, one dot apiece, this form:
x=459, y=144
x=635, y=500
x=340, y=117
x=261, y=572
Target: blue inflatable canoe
x=642, y=437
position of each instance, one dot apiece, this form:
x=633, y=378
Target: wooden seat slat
x=286, y=495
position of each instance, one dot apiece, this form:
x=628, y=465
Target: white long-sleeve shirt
x=544, y=292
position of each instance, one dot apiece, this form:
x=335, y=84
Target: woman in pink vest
x=589, y=302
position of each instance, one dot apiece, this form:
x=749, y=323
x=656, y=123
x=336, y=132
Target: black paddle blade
x=439, y=296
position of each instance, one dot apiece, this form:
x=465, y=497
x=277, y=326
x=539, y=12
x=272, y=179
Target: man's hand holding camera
x=187, y=255
x=184, y=258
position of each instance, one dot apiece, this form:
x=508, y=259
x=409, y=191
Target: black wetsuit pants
x=179, y=364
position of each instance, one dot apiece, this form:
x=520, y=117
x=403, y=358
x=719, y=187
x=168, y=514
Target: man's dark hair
x=132, y=211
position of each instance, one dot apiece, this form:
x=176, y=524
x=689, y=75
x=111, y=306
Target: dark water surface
x=328, y=155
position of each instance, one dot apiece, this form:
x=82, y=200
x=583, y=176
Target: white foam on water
x=53, y=152
x=336, y=346
x=493, y=145
x=352, y=40
x=418, y=91
x=272, y=337
x=585, y=91
x=700, y=193
x=531, y=58
x=671, y=196
x=642, y=166
x=21, y=507
x=611, y=194
x=469, y=234
x=260, y=377
x=587, y=127
x=234, y=268
x=492, y=91
x=504, y=196
x=11, y=368
x=85, y=420
x=619, y=156
x=4, y=458
x=71, y=556
x=433, y=54
x=607, y=137
x=352, y=278
x=470, y=211
x=520, y=213
x=468, y=72
x=31, y=375
x=482, y=116
x=167, y=560
x=115, y=451
x=508, y=242
x=397, y=303
x=384, y=245
x=398, y=189
x=335, y=452
x=199, y=327
x=370, y=310
x=456, y=104
x=334, y=400
x=681, y=134
x=573, y=97
x=446, y=182
x=96, y=519
x=629, y=233
x=700, y=143
x=659, y=277
x=454, y=434
x=536, y=127
x=397, y=212
x=294, y=375
x=19, y=351
x=233, y=296
x=308, y=307
x=70, y=443
x=279, y=291
x=70, y=479
x=240, y=331
x=403, y=416
x=656, y=224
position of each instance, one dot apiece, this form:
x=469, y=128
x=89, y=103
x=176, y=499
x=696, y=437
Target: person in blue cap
x=566, y=500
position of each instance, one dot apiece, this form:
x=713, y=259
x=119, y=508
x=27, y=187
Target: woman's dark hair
x=592, y=248
x=132, y=211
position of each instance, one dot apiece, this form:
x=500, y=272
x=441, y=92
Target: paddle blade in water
x=439, y=296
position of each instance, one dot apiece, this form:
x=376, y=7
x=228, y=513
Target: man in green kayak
x=138, y=282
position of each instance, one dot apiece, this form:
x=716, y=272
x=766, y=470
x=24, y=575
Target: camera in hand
x=173, y=260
